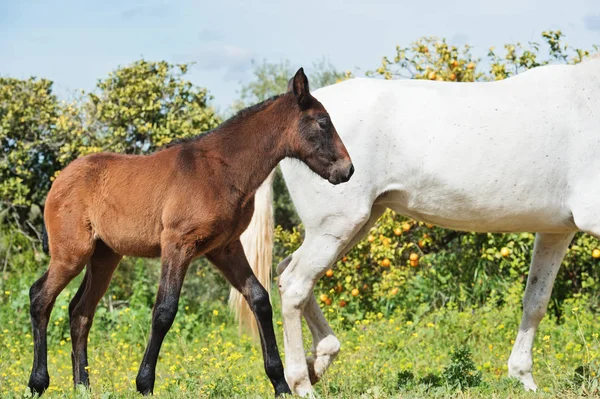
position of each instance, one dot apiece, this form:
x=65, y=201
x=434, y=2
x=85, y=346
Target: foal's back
x=124, y=199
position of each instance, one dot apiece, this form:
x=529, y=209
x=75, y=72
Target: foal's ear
x=299, y=85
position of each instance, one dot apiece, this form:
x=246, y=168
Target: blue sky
x=75, y=42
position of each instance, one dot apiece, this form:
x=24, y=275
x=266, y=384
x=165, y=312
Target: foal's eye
x=323, y=123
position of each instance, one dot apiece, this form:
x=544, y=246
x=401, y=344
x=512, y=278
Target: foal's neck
x=251, y=144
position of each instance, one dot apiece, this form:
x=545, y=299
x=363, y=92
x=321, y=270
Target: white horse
x=517, y=155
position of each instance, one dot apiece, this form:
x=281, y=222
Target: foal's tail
x=257, y=241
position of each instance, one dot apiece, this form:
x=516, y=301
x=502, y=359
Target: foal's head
x=313, y=138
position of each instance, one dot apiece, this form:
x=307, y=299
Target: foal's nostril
x=350, y=172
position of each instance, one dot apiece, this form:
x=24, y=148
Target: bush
x=461, y=372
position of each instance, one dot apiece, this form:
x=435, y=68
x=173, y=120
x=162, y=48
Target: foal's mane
x=238, y=117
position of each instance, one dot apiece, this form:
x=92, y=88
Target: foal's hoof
x=144, y=386
x=145, y=390
x=38, y=383
x=144, y=382
x=282, y=389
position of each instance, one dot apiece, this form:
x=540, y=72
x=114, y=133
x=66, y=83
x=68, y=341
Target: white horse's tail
x=257, y=241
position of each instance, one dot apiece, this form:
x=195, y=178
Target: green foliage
x=30, y=137
x=270, y=79
x=404, y=378
x=461, y=372
x=433, y=58
x=146, y=105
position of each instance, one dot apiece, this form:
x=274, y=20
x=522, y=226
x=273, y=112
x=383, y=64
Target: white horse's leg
x=548, y=253
x=326, y=346
x=317, y=253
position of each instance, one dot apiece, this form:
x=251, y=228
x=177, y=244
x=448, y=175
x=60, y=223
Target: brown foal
x=191, y=199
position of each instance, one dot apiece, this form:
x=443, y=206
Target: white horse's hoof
x=306, y=392
x=299, y=382
x=526, y=379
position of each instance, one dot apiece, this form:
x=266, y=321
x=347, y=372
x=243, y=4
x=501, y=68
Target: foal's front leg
x=548, y=253
x=176, y=258
x=232, y=262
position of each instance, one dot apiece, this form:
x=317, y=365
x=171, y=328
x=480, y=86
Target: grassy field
x=204, y=356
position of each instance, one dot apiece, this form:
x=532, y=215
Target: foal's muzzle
x=341, y=171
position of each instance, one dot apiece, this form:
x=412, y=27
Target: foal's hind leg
x=81, y=309
x=232, y=262
x=66, y=263
x=548, y=253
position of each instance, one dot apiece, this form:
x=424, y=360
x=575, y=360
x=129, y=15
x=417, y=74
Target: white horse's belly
x=469, y=214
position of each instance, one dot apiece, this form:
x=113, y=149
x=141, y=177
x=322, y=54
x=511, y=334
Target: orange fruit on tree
x=470, y=65
x=505, y=252
x=454, y=63
x=452, y=76
x=421, y=243
x=386, y=262
x=365, y=286
x=414, y=263
x=329, y=273
x=596, y=253
x=432, y=75
x=344, y=259
x=405, y=226
x=354, y=292
x=425, y=236
x=343, y=303
x=328, y=301
x=398, y=231
x=414, y=256
x=370, y=238
x=429, y=225
x=339, y=288
x=323, y=297
x=394, y=291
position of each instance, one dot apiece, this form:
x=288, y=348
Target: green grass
x=203, y=355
